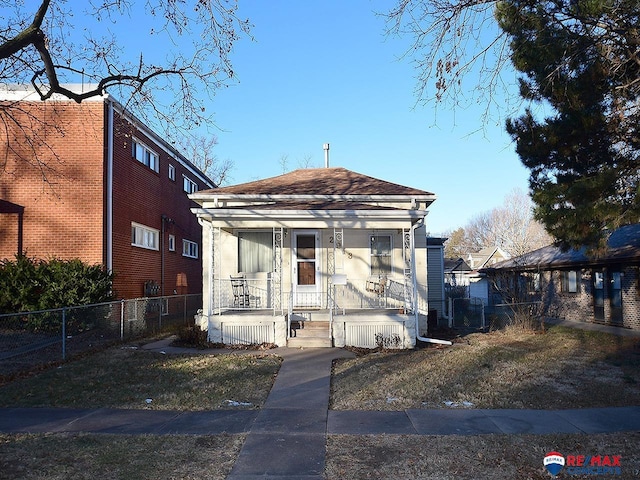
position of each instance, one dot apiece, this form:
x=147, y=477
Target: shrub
x=28, y=284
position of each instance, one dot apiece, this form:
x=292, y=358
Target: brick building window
x=189, y=249
x=172, y=243
x=172, y=172
x=569, y=281
x=144, y=237
x=144, y=155
x=189, y=185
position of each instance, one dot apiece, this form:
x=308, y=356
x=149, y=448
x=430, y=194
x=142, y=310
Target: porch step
x=309, y=334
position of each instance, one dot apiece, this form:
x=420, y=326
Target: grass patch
x=562, y=368
x=125, y=378
x=61, y=456
x=490, y=457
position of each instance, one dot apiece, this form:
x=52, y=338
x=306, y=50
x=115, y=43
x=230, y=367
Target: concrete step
x=309, y=342
x=310, y=334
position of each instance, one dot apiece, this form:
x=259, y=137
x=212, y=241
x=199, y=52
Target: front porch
x=364, y=313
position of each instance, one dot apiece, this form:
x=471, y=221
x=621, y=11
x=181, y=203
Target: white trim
x=235, y=213
x=412, y=199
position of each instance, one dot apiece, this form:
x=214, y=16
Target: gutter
x=414, y=227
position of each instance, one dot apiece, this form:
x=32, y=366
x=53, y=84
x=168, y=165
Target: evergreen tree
x=580, y=62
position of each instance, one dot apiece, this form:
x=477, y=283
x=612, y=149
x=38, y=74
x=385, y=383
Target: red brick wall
x=65, y=217
x=57, y=175
x=142, y=196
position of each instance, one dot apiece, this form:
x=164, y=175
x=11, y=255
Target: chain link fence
x=34, y=340
x=473, y=314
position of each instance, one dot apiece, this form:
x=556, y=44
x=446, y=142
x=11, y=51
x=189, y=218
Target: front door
x=306, y=269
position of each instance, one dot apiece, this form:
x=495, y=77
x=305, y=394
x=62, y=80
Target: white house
x=316, y=257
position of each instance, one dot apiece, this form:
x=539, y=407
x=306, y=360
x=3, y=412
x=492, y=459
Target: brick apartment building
x=90, y=181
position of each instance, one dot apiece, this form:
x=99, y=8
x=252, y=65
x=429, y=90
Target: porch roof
x=318, y=214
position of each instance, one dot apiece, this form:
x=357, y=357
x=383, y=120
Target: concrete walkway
x=287, y=437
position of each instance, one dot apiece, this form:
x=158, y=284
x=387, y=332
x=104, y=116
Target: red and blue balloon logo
x=554, y=462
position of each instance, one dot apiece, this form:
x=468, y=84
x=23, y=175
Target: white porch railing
x=357, y=294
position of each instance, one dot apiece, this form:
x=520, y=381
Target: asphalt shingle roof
x=623, y=245
x=320, y=181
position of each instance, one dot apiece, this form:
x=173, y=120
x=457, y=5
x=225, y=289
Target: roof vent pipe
x=326, y=155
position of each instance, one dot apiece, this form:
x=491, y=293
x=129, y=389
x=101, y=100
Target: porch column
x=276, y=279
x=408, y=253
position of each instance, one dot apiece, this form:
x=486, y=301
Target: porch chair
x=240, y=291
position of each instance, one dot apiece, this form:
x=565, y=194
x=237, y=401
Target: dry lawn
x=562, y=368
x=486, y=457
x=121, y=457
x=123, y=377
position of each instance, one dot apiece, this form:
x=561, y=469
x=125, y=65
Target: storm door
x=598, y=296
x=306, y=269
x=615, y=297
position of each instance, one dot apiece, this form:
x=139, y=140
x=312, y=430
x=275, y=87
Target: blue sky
x=324, y=72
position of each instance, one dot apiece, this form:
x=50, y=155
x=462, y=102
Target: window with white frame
x=189, y=185
x=380, y=254
x=172, y=172
x=189, y=249
x=144, y=237
x=172, y=243
x=145, y=155
x=255, y=252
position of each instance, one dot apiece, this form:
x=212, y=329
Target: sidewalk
x=287, y=437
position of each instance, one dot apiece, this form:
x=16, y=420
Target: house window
x=145, y=156
x=569, y=281
x=189, y=249
x=145, y=237
x=380, y=254
x=255, y=252
x=189, y=185
x=172, y=243
x=172, y=172
x=534, y=282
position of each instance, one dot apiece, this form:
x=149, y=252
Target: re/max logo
x=593, y=461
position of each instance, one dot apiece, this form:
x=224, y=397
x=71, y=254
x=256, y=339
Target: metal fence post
x=64, y=334
x=122, y=319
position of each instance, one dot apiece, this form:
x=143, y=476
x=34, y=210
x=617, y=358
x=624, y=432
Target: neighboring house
x=324, y=253
x=478, y=284
x=456, y=272
x=575, y=286
x=90, y=181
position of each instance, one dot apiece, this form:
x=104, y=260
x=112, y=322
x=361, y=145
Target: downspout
x=109, y=232
x=416, y=313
